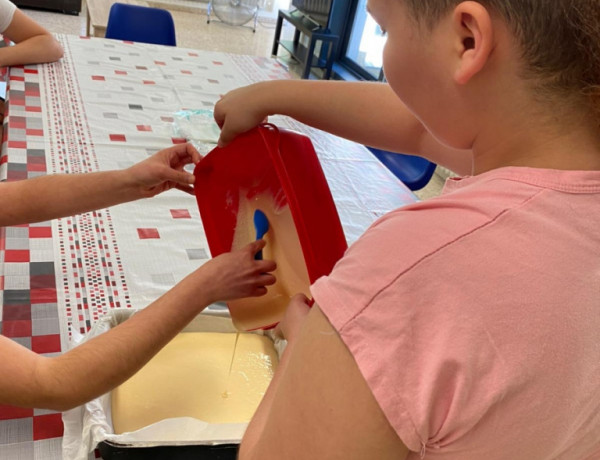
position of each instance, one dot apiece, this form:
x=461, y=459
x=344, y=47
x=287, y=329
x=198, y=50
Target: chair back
x=141, y=24
x=415, y=172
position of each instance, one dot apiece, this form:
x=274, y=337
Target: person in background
x=466, y=326
x=100, y=364
x=32, y=43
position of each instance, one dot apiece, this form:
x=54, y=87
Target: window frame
x=343, y=59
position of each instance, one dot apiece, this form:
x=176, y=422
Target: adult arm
x=52, y=196
x=100, y=364
x=319, y=406
x=366, y=112
x=33, y=43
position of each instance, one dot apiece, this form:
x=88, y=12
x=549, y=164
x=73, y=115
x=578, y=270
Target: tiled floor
x=191, y=28
x=194, y=32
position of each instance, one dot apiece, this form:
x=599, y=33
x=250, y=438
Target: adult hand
x=241, y=110
x=294, y=316
x=164, y=171
x=236, y=274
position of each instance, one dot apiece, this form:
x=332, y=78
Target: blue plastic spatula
x=261, y=224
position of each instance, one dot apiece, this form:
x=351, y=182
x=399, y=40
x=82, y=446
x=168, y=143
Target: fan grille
x=235, y=12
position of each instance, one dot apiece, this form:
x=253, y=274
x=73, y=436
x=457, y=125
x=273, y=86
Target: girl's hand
x=294, y=317
x=237, y=274
x=242, y=109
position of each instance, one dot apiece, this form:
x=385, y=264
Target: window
x=363, y=47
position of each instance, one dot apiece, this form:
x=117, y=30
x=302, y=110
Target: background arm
x=33, y=43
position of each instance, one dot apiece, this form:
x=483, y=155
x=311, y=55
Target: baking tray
x=112, y=451
x=98, y=433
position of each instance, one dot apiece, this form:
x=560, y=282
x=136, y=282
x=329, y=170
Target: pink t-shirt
x=475, y=316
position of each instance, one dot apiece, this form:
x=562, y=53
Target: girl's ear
x=474, y=31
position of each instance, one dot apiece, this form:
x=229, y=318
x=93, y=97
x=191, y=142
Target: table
x=106, y=105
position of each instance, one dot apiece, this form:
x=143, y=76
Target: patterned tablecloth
x=106, y=105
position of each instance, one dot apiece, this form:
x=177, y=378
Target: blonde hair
x=559, y=39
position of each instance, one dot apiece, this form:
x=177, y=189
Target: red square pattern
x=18, y=328
x=47, y=426
x=117, y=137
x=18, y=122
x=42, y=281
x=46, y=343
x=217, y=63
x=148, y=233
x=36, y=167
x=180, y=214
x=144, y=128
x=120, y=72
x=160, y=63
x=32, y=92
x=17, y=175
x=16, y=100
x=40, y=232
x=43, y=295
x=16, y=255
x=16, y=312
x=34, y=132
x=11, y=412
x=98, y=78
x=149, y=82
x=186, y=72
x=36, y=160
x=29, y=108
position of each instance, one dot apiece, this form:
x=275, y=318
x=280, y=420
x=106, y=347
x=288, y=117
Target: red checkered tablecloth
x=107, y=105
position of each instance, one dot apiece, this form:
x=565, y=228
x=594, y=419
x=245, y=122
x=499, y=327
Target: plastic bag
x=198, y=127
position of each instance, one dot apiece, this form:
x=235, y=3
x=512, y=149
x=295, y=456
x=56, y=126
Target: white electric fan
x=234, y=12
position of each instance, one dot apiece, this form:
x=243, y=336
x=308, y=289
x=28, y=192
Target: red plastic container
x=278, y=172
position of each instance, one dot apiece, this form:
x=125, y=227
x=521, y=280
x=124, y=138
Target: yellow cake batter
x=190, y=378
x=283, y=246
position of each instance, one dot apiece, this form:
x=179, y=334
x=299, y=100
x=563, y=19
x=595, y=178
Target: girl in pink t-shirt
x=464, y=327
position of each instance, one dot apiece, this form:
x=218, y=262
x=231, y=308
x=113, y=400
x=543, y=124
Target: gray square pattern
x=197, y=253
x=20, y=451
x=46, y=326
x=163, y=279
x=16, y=430
x=41, y=311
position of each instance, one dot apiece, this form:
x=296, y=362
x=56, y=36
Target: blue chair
x=414, y=171
x=141, y=24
